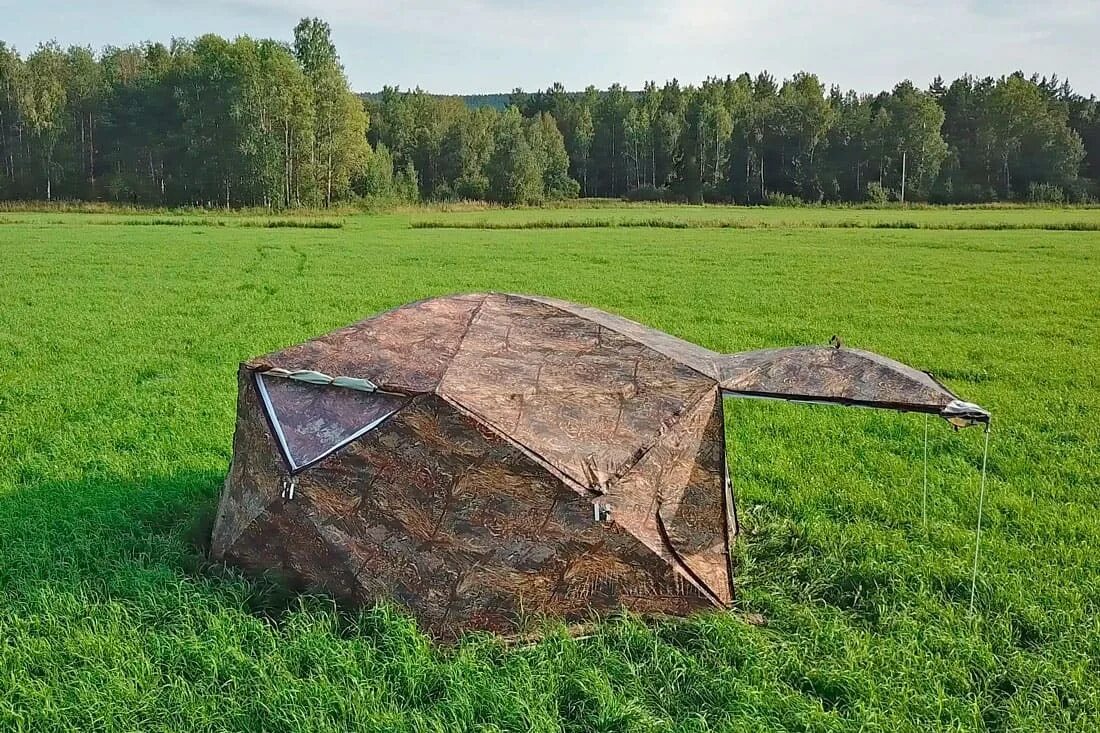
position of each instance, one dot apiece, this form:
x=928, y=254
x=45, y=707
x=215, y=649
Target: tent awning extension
x=839, y=375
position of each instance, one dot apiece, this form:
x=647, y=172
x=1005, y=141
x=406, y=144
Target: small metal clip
x=601, y=512
x=290, y=483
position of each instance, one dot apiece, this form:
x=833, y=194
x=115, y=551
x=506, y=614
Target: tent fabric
x=520, y=456
x=587, y=399
x=676, y=500
x=838, y=375
x=403, y=350
x=695, y=356
x=451, y=520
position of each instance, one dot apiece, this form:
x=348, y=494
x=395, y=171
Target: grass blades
x=181, y=221
x=1069, y=226
x=215, y=222
x=119, y=346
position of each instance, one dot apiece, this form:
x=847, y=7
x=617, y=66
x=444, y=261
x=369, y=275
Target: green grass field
x=118, y=351
x=768, y=217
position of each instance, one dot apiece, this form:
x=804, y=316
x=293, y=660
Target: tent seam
x=536, y=299
x=458, y=346
x=645, y=452
x=557, y=473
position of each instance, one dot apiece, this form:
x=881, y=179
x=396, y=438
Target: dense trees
x=339, y=121
x=463, y=153
x=749, y=139
x=205, y=122
x=248, y=122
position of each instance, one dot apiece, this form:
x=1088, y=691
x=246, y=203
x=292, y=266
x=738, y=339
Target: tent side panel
x=675, y=499
x=437, y=512
x=283, y=540
x=254, y=476
x=695, y=515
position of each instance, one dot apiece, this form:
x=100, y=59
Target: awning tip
x=965, y=414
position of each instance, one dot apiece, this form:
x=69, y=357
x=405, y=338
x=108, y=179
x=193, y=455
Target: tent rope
x=978, y=534
x=924, y=494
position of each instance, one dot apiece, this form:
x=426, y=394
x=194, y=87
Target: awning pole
x=978, y=534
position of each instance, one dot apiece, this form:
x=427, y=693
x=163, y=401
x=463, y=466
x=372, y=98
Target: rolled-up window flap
x=312, y=377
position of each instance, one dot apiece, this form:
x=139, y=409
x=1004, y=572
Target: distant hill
x=473, y=101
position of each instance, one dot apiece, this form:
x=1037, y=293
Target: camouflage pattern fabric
x=521, y=457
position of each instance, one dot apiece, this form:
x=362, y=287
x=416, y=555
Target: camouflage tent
x=479, y=458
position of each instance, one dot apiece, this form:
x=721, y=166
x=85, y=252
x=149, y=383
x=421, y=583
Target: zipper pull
x=290, y=483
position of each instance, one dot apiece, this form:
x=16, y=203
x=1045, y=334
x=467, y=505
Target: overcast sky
x=469, y=46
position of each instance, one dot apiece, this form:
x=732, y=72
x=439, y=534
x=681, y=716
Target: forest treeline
x=214, y=122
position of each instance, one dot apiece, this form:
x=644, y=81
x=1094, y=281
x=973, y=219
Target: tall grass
x=104, y=207
x=228, y=222
x=672, y=223
x=179, y=221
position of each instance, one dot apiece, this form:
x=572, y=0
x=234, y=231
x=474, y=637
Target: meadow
x=120, y=335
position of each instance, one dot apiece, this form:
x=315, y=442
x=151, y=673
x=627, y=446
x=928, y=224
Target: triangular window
x=311, y=421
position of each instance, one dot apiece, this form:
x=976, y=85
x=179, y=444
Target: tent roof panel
x=587, y=399
x=406, y=349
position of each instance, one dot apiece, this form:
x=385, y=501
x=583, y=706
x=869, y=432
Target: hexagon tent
x=481, y=457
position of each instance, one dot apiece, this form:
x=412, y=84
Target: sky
x=484, y=46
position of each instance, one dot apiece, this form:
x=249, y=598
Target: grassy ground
x=118, y=349
x=660, y=215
